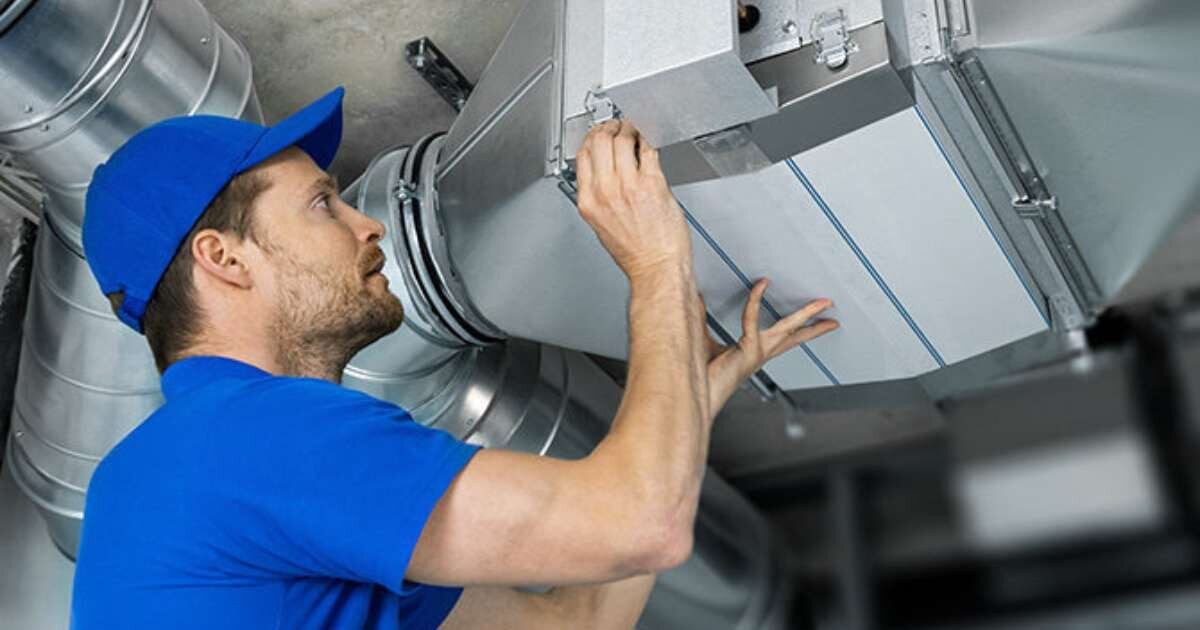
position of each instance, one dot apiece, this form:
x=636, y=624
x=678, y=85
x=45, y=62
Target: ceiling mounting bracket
x=831, y=39
x=437, y=70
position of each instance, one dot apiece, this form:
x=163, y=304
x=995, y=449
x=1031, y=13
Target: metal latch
x=601, y=107
x=1029, y=208
x=831, y=39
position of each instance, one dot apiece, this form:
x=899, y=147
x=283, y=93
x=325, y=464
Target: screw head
x=790, y=27
x=29, y=109
x=204, y=41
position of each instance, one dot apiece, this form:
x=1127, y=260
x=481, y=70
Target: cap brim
x=316, y=129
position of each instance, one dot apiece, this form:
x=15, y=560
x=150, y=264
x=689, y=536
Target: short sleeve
x=334, y=484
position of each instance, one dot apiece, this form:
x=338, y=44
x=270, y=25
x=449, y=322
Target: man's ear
x=220, y=256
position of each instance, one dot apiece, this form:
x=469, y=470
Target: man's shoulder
x=237, y=415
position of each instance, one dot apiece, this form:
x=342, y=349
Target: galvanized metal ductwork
x=768, y=148
x=848, y=155
x=115, y=67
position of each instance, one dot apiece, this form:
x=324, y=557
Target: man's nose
x=367, y=229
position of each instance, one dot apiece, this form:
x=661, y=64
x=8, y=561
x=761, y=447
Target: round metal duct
x=116, y=66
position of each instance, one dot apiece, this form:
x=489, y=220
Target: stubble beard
x=326, y=316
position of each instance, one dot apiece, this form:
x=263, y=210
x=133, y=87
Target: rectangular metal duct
x=844, y=191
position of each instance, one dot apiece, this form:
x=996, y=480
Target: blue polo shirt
x=256, y=501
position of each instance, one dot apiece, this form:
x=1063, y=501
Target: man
x=264, y=495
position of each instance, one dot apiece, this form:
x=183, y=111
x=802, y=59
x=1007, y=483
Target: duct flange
x=424, y=252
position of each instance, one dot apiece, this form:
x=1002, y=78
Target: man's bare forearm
x=660, y=433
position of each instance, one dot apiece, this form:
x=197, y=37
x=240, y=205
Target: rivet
x=29, y=109
x=790, y=27
x=19, y=434
x=204, y=40
x=45, y=126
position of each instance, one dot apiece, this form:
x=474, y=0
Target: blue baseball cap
x=145, y=200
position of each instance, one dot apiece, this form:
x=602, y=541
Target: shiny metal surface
x=107, y=80
x=1104, y=97
x=816, y=105
x=70, y=411
x=510, y=230
x=675, y=69
x=985, y=174
x=85, y=380
x=505, y=220
x=10, y=10
x=35, y=585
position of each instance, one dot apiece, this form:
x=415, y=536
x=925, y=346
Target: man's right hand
x=624, y=196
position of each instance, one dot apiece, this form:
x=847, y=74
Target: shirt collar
x=192, y=372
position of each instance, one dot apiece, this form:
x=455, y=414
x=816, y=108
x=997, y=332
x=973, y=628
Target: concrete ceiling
x=304, y=48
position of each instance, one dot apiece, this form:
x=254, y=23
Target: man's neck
x=301, y=362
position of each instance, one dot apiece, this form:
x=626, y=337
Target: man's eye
x=323, y=203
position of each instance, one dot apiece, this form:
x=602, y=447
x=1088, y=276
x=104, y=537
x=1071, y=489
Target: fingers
x=584, y=177
x=648, y=157
x=806, y=312
x=626, y=154
x=599, y=143
x=750, y=312
x=812, y=331
x=792, y=330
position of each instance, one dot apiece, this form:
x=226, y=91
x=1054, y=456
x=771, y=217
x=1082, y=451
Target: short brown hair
x=172, y=318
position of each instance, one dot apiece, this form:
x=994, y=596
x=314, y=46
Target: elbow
x=674, y=551
x=665, y=544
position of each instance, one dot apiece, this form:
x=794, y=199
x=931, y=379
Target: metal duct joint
x=116, y=66
x=426, y=251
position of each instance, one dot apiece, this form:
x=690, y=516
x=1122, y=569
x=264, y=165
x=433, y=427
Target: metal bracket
x=406, y=191
x=1029, y=208
x=1033, y=202
x=832, y=39
x=436, y=69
